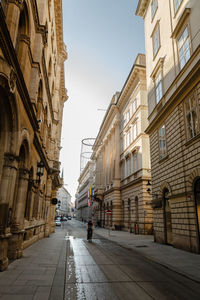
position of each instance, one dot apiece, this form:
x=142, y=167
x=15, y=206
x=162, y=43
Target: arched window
x=23, y=27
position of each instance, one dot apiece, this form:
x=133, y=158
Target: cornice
x=59, y=25
x=142, y=7
x=134, y=78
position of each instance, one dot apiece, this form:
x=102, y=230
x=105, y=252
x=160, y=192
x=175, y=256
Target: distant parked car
x=64, y=218
x=57, y=222
x=69, y=218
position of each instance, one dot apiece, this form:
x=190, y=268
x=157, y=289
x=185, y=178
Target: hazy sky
x=103, y=38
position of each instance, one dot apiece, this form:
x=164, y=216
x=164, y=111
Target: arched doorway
x=167, y=218
x=197, y=205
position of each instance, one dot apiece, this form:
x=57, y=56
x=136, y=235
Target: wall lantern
x=40, y=171
x=155, y=203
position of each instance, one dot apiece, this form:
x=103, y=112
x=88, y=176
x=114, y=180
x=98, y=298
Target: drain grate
x=141, y=246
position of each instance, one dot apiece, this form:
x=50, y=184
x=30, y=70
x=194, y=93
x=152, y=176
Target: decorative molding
x=180, y=23
x=158, y=66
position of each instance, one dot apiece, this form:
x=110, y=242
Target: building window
x=177, y=4
x=135, y=166
x=127, y=116
x=154, y=6
x=184, y=48
x=134, y=131
x=158, y=88
x=128, y=166
x=128, y=138
x=134, y=106
x=122, y=170
x=156, y=40
x=162, y=142
x=191, y=116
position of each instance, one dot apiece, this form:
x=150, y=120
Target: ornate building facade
x=86, y=181
x=64, y=205
x=137, y=215
x=32, y=95
x=122, y=159
x=172, y=39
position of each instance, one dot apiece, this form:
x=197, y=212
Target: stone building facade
x=32, y=95
x=172, y=39
x=86, y=181
x=106, y=154
x=137, y=214
x=64, y=205
x=122, y=158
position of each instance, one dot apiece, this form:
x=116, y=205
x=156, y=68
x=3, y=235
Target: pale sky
x=103, y=38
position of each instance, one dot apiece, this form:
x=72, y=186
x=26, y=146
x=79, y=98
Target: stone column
x=117, y=214
x=7, y=188
x=17, y=227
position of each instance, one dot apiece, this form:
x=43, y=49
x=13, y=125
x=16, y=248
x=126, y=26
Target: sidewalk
x=39, y=274
x=180, y=261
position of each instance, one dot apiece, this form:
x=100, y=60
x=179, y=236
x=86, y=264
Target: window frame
x=153, y=12
x=159, y=139
x=177, y=8
x=134, y=107
x=160, y=84
x=134, y=126
x=194, y=95
x=186, y=25
x=156, y=28
x=135, y=161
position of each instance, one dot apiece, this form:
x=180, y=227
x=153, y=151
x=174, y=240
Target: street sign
x=108, y=212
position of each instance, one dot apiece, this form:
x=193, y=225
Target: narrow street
x=104, y=270
x=66, y=266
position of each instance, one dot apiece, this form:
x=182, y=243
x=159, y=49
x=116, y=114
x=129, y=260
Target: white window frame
x=127, y=116
x=154, y=6
x=162, y=138
x=158, y=87
x=184, y=46
x=177, y=4
x=134, y=106
x=134, y=131
x=156, y=39
x=128, y=166
x=135, y=161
